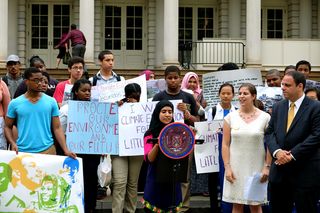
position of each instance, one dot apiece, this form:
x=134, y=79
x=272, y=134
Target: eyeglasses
x=37, y=80
x=77, y=68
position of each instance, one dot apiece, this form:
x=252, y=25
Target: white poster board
x=134, y=120
x=40, y=183
x=211, y=82
x=207, y=154
x=114, y=91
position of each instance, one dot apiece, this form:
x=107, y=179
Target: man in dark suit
x=293, y=139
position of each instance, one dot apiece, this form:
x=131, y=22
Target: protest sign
x=67, y=94
x=134, y=120
x=211, y=82
x=269, y=96
x=114, y=91
x=155, y=86
x=40, y=183
x=207, y=154
x=92, y=127
x=312, y=84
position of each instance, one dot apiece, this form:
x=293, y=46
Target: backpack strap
x=214, y=110
x=94, y=80
x=5, y=80
x=118, y=78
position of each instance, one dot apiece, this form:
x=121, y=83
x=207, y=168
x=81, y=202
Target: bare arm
x=8, y=131
x=153, y=153
x=226, y=152
x=58, y=132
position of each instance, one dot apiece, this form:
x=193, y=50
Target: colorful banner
x=269, y=96
x=211, y=82
x=207, y=154
x=40, y=183
x=92, y=127
x=134, y=120
x=114, y=91
x=154, y=87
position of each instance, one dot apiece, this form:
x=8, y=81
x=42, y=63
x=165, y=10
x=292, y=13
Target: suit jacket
x=302, y=139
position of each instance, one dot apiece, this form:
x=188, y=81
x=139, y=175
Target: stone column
x=234, y=19
x=305, y=19
x=170, y=32
x=253, y=39
x=4, y=5
x=86, y=25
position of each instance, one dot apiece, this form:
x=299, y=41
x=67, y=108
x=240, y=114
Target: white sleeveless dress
x=247, y=155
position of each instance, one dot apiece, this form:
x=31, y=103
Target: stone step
x=197, y=204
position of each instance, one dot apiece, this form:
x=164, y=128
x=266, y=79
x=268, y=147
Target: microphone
x=152, y=140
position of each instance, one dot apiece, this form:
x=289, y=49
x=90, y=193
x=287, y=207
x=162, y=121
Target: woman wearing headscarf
x=159, y=195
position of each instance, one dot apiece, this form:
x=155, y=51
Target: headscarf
x=147, y=73
x=155, y=124
x=185, y=82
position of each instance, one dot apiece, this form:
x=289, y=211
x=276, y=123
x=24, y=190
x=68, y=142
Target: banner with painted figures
x=134, y=120
x=92, y=127
x=211, y=82
x=114, y=91
x=40, y=183
x=269, y=96
x=207, y=154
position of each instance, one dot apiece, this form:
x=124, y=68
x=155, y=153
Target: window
x=272, y=25
x=185, y=26
x=205, y=23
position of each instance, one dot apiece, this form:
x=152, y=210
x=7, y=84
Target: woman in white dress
x=243, y=151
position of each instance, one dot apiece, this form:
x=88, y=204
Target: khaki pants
x=185, y=187
x=50, y=151
x=125, y=175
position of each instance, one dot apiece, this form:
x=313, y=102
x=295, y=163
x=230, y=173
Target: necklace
x=247, y=116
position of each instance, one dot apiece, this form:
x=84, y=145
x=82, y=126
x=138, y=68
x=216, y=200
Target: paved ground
x=198, y=204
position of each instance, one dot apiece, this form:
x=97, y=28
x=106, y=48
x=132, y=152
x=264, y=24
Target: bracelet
x=267, y=165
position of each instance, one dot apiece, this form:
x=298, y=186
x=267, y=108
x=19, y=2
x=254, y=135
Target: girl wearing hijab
x=149, y=74
x=157, y=193
x=191, y=82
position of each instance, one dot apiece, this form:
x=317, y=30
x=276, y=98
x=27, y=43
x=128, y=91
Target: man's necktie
x=290, y=115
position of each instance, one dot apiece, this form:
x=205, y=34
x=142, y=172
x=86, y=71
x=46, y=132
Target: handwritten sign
x=40, y=183
x=207, y=154
x=92, y=127
x=312, y=84
x=114, y=91
x=269, y=96
x=211, y=82
x=134, y=120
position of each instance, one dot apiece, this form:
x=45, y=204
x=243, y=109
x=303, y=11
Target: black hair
x=313, y=89
x=73, y=26
x=226, y=85
x=132, y=89
x=29, y=71
x=305, y=63
x=273, y=72
x=75, y=60
x=298, y=78
x=76, y=87
x=228, y=66
x=34, y=59
x=102, y=53
x=170, y=69
x=289, y=67
x=46, y=75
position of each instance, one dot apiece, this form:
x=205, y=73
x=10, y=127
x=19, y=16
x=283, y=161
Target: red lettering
x=113, y=109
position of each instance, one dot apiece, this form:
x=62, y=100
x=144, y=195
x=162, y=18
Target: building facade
x=154, y=33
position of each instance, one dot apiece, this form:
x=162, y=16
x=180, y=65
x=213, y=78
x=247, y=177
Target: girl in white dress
x=243, y=151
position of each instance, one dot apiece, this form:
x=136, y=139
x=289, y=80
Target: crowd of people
x=281, y=146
